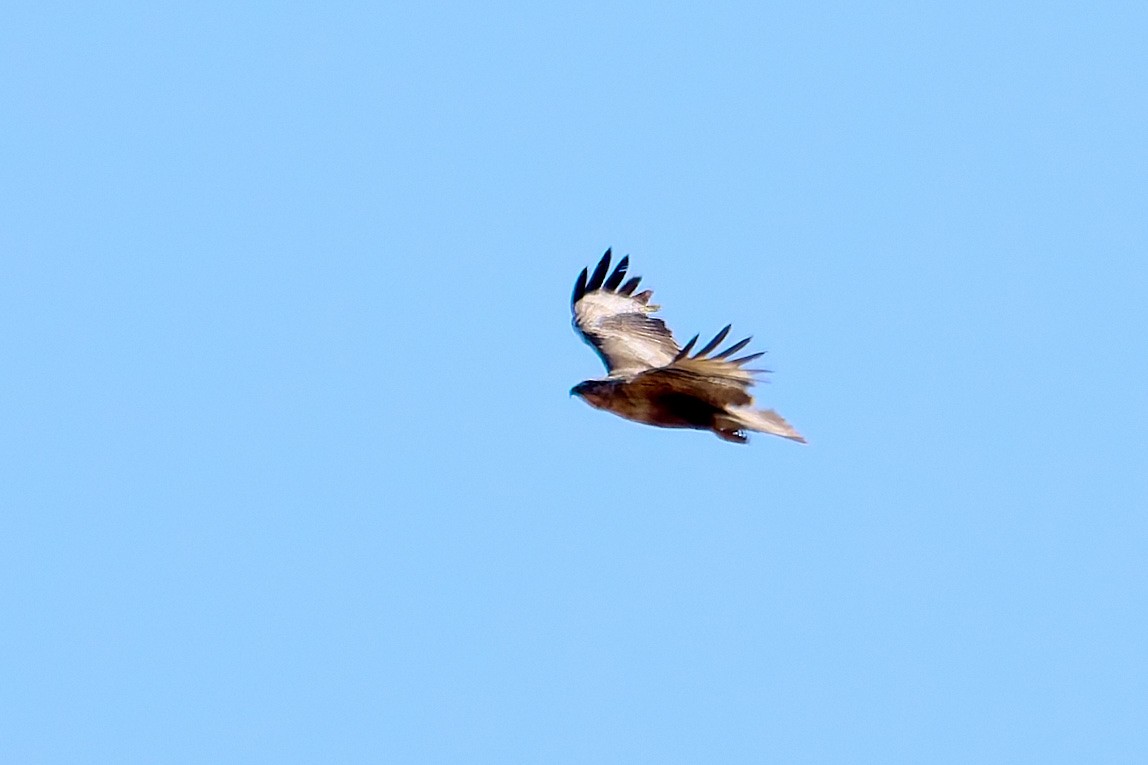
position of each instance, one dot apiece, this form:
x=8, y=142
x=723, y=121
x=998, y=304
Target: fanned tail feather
x=763, y=421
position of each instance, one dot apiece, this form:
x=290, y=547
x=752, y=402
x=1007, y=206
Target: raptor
x=650, y=379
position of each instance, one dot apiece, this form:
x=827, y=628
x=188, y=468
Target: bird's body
x=653, y=381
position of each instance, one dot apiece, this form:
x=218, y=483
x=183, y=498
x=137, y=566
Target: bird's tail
x=762, y=421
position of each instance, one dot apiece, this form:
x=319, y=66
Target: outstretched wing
x=617, y=323
x=719, y=380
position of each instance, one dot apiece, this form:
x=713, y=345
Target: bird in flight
x=653, y=381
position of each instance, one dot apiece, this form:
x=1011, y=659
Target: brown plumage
x=653, y=381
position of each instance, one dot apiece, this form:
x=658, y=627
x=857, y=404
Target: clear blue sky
x=289, y=468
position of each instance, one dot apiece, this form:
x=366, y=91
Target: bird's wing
x=719, y=380
x=617, y=323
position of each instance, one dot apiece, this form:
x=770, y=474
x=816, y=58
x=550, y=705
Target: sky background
x=289, y=471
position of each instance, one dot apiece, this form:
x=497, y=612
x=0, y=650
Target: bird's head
x=594, y=392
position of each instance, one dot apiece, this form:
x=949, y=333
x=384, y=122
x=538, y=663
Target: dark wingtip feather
x=618, y=275
x=715, y=342
x=599, y=273
x=579, y=288
x=686, y=350
x=750, y=357
x=734, y=348
x=629, y=287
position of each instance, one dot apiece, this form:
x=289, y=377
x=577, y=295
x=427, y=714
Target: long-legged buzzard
x=653, y=381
